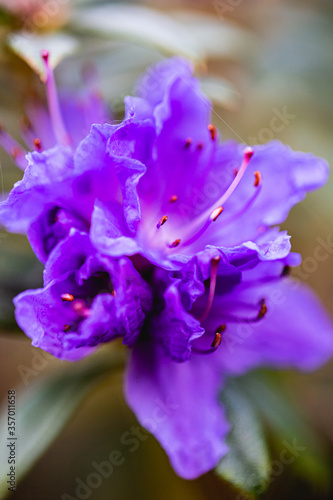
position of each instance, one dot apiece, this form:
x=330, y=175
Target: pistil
x=59, y=128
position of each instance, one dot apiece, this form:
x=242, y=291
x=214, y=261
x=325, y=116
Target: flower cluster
x=155, y=231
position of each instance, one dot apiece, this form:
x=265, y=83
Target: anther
x=66, y=328
x=216, y=213
x=200, y=145
x=188, y=142
x=173, y=198
x=113, y=293
x=174, y=244
x=218, y=336
x=67, y=297
x=263, y=309
x=213, y=131
x=162, y=221
x=257, y=178
x=38, y=144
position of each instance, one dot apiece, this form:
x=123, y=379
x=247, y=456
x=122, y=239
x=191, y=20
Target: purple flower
x=155, y=231
x=87, y=299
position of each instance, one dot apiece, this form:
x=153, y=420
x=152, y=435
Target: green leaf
x=290, y=429
x=139, y=24
x=246, y=465
x=43, y=409
x=29, y=47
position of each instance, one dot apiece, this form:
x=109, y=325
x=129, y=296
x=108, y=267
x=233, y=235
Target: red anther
x=216, y=213
x=213, y=131
x=113, y=293
x=162, y=221
x=257, y=178
x=66, y=328
x=38, y=144
x=217, y=340
x=173, y=198
x=175, y=243
x=188, y=142
x=263, y=309
x=67, y=297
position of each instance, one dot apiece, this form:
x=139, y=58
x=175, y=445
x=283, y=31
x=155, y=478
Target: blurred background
x=257, y=60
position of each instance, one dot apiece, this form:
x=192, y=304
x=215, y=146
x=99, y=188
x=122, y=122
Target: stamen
x=261, y=314
x=238, y=214
x=66, y=328
x=173, y=198
x=263, y=309
x=59, y=128
x=216, y=213
x=218, y=336
x=67, y=297
x=38, y=144
x=212, y=286
x=257, y=178
x=213, y=131
x=174, y=244
x=215, y=344
x=188, y=142
x=162, y=221
x=208, y=216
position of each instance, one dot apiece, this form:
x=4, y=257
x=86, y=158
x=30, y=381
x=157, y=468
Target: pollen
x=263, y=309
x=257, y=178
x=213, y=131
x=216, y=213
x=162, y=221
x=188, y=142
x=175, y=243
x=67, y=297
x=38, y=144
x=173, y=198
